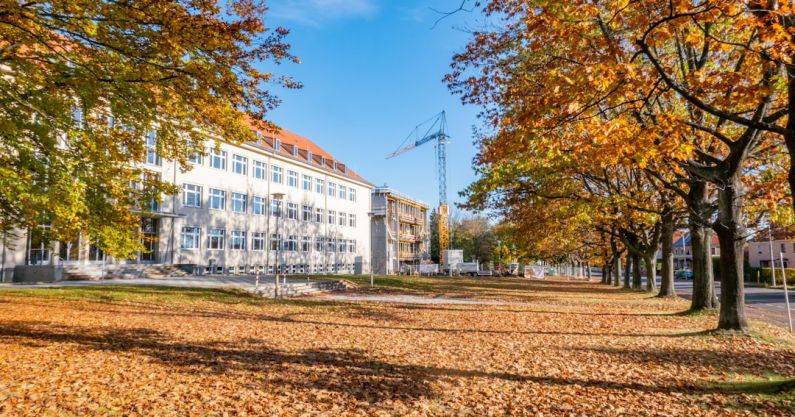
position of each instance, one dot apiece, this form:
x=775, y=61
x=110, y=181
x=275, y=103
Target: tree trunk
x=627, y=269
x=730, y=234
x=588, y=271
x=700, y=237
x=667, y=280
x=606, y=271
x=651, y=271
x=617, y=271
x=636, y=282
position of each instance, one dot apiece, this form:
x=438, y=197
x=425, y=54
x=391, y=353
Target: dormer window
x=277, y=145
x=322, y=160
x=309, y=155
x=334, y=165
x=295, y=151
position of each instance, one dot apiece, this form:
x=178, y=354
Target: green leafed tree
x=83, y=83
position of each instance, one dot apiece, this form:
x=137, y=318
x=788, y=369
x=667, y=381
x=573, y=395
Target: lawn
x=552, y=348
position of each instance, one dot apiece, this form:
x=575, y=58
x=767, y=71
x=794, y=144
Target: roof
x=714, y=242
x=295, y=146
x=778, y=233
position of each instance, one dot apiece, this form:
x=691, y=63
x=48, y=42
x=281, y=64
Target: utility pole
x=772, y=258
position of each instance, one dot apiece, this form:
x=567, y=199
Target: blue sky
x=372, y=70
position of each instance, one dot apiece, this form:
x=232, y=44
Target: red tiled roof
x=298, y=147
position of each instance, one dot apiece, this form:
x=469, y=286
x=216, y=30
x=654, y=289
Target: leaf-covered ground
x=554, y=348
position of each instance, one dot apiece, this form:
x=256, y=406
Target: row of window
x=216, y=240
x=240, y=166
x=192, y=197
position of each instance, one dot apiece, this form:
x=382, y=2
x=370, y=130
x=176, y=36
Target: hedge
x=765, y=275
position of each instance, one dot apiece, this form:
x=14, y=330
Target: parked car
x=683, y=275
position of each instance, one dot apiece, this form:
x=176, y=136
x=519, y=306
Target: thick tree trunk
x=606, y=271
x=730, y=234
x=667, y=279
x=617, y=271
x=700, y=237
x=651, y=272
x=588, y=271
x=627, y=269
x=636, y=281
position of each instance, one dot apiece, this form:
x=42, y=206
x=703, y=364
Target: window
x=239, y=164
x=239, y=202
x=319, y=242
x=196, y=158
x=306, y=213
x=331, y=244
x=783, y=248
x=343, y=219
x=276, y=208
x=332, y=217
x=307, y=183
x=237, y=240
x=258, y=205
x=352, y=194
x=259, y=170
x=258, y=241
x=306, y=244
x=319, y=215
x=342, y=245
x=292, y=178
x=291, y=244
x=343, y=192
x=352, y=220
x=215, y=239
x=332, y=189
x=352, y=246
x=190, y=237
x=152, y=158
x=318, y=186
x=217, y=199
x=292, y=211
x=275, y=241
x=276, y=174
x=218, y=159
x=191, y=195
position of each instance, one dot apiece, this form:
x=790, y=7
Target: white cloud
x=316, y=12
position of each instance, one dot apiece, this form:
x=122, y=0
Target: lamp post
x=772, y=257
x=279, y=198
x=370, y=216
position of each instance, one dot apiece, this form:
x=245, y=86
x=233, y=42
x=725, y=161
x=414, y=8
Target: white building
x=235, y=208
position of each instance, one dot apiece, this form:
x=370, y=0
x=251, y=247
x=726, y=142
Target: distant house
x=783, y=242
x=683, y=251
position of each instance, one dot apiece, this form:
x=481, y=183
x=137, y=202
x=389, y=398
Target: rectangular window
x=218, y=159
x=259, y=170
x=332, y=217
x=342, y=245
x=190, y=237
x=152, y=158
x=196, y=158
x=276, y=208
x=352, y=246
x=343, y=192
x=275, y=241
x=319, y=242
x=319, y=186
x=292, y=211
x=239, y=164
x=343, y=219
x=237, y=240
x=352, y=220
x=217, y=199
x=306, y=244
x=307, y=183
x=352, y=194
x=291, y=244
x=215, y=239
x=292, y=178
x=318, y=215
x=332, y=189
x=306, y=213
x=783, y=248
x=258, y=205
x=276, y=174
x=331, y=244
x=239, y=202
x=191, y=195
x=258, y=241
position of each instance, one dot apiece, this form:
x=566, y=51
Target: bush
x=765, y=275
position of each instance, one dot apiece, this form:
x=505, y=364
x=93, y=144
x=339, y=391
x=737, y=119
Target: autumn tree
x=85, y=82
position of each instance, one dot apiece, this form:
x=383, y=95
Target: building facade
x=239, y=207
x=399, y=228
x=683, y=251
x=783, y=245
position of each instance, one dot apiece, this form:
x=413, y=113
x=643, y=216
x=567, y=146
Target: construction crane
x=433, y=129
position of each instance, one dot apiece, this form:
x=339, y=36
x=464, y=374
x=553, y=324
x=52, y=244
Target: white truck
x=472, y=269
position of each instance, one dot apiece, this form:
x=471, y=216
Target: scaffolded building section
x=399, y=228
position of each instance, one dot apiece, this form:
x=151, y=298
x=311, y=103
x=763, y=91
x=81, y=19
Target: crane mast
x=436, y=131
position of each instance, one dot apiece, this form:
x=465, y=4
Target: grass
x=551, y=347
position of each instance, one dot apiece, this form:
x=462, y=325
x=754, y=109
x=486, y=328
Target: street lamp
x=279, y=198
